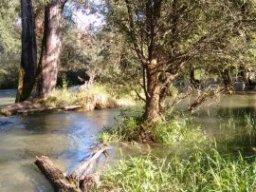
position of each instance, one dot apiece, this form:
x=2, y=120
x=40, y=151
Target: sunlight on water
x=65, y=137
x=7, y=96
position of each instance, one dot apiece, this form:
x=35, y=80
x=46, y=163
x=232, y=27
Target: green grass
x=124, y=129
x=177, y=129
x=94, y=97
x=98, y=96
x=187, y=160
x=199, y=172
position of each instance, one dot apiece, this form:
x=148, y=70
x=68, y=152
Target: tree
x=51, y=48
x=167, y=35
x=28, y=67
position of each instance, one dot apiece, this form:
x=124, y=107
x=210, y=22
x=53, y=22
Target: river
x=67, y=136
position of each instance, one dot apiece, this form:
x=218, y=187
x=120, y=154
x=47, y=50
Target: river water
x=67, y=136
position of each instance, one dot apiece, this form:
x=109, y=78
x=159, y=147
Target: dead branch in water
x=80, y=180
x=203, y=97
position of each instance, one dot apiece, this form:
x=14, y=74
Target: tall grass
x=175, y=130
x=192, y=161
x=199, y=172
x=89, y=99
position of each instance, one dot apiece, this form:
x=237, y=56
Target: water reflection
x=232, y=123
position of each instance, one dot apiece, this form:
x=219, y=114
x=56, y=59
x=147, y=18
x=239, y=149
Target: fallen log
x=32, y=106
x=12, y=109
x=56, y=177
x=70, y=107
x=47, y=109
x=80, y=180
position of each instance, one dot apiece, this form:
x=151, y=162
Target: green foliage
x=9, y=75
x=177, y=130
x=211, y=35
x=199, y=172
x=9, y=29
x=126, y=128
x=74, y=49
x=9, y=43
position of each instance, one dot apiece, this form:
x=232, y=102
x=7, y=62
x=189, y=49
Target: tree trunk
x=152, y=111
x=51, y=47
x=27, y=72
x=195, y=82
x=227, y=79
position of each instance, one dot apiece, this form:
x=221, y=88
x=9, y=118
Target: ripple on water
x=66, y=137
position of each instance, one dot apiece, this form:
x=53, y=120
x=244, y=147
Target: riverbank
x=226, y=132
x=201, y=171
x=218, y=156
x=95, y=98
x=198, y=164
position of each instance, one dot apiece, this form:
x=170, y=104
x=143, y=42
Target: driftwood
x=80, y=180
x=31, y=106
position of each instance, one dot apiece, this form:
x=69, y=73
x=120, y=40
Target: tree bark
x=51, y=47
x=80, y=180
x=60, y=182
x=28, y=67
x=152, y=110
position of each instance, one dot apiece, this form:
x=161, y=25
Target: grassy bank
x=199, y=172
x=96, y=97
x=189, y=159
x=129, y=127
x=89, y=99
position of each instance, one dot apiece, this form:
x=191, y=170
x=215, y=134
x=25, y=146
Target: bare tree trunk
x=51, y=47
x=28, y=67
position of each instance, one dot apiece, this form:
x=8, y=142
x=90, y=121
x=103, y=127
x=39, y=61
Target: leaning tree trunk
x=27, y=72
x=152, y=111
x=51, y=47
